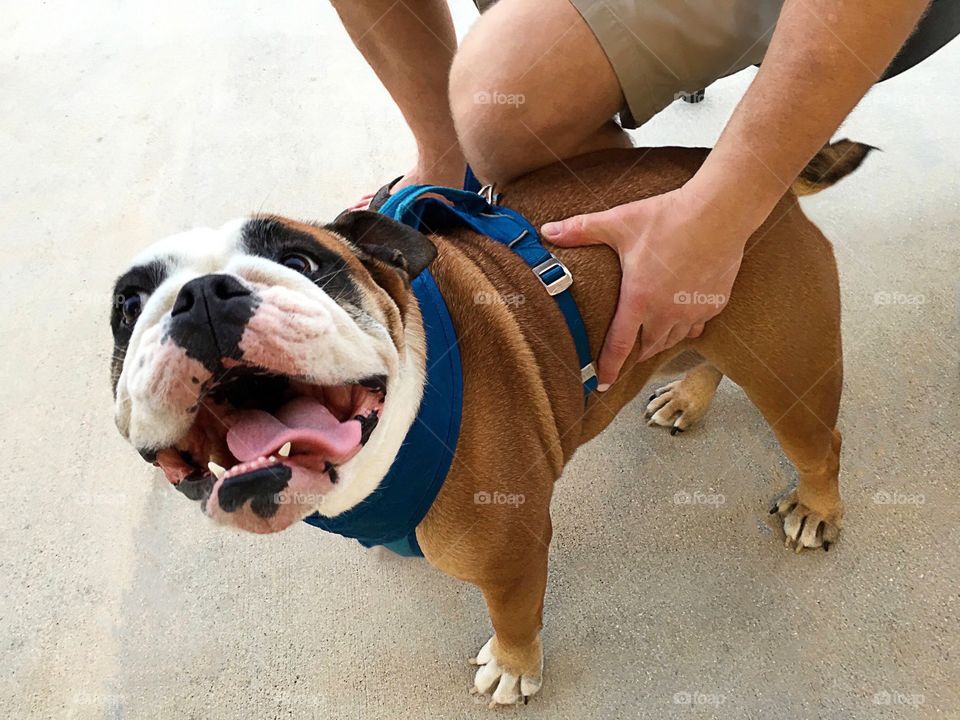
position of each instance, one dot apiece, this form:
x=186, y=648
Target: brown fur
x=833, y=163
x=524, y=414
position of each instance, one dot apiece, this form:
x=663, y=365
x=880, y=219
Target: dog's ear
x=392, y=242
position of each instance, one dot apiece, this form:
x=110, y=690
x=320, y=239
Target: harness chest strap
x=411, y=205
x=390, y=516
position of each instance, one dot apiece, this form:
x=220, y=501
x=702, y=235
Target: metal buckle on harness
x=588, y=372
x=488, y=193
x=554, y=275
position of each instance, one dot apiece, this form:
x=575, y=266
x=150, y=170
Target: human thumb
x=571, y=232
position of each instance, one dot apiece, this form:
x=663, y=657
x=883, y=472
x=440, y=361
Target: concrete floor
x=127, y=121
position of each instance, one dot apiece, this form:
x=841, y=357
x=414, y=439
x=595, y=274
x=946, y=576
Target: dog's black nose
x=209, y=317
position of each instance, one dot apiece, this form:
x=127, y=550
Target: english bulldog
x=271, y=358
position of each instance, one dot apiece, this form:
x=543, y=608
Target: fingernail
x=603, y=387
x=551, y=229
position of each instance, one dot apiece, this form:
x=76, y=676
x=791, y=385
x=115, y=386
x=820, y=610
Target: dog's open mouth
x=258, y=434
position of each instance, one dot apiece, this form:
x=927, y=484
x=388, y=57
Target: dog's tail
x=833, y=163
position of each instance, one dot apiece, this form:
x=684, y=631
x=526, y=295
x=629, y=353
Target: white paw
x=679, y=405
x=803, y=527
x=508, y=689
x=666, y=407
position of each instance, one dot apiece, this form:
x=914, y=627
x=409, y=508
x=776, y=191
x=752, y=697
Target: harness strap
x=390, y=515
x=413, y=206
x=470, y=182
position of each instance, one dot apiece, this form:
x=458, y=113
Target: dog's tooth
x=272, y=459
x=285, y=450
x=218, y=471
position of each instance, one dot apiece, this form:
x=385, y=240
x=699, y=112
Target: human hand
x=679, y=254
x=448, y=172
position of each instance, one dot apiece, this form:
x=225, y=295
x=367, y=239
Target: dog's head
x=271, y=368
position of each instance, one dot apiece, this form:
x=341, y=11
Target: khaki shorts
x=660, y=49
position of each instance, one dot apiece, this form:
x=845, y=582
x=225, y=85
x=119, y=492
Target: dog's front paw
x=805, y=527
x=511, y=682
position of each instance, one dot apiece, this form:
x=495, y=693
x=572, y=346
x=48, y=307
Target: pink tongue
x=305, y=421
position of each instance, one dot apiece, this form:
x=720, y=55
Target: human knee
x=497, y=132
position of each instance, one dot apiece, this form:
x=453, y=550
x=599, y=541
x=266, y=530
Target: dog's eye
x=131, y=303
x=299, y=262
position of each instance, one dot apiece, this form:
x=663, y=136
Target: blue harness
x=390, y=515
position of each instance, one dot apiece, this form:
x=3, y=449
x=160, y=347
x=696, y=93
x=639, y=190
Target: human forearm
x=823, y=58
x=410, y=46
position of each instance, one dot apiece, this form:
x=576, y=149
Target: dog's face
x=271, y=368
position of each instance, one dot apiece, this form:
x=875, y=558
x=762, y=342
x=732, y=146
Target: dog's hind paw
x=508, y=688
x=677, y=406
x=803, y=527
